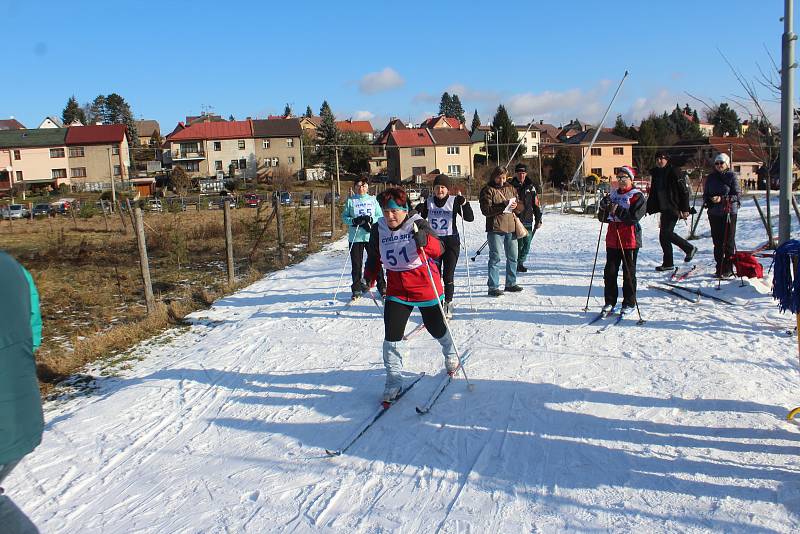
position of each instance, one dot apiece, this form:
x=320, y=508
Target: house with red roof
x=99, y=153
x=415, y=152
x=11, y=124
x=361, y=127
x=214, y=148
x=608, y=153
x=440, y=121
x=378, y=162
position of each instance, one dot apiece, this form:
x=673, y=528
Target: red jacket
x=412, y=286
x=623, y=225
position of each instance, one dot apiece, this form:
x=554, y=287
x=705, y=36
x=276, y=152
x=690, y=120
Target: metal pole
x=787, y=121
x=497, y=143
x=111, y=174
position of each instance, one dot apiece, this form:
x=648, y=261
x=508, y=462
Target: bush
x=87, y=211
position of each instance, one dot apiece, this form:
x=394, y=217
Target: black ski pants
x=667, y=237
x=395, y=319
x=357, y=269
x=724, y=237
x=614, y=258
x=447, y=264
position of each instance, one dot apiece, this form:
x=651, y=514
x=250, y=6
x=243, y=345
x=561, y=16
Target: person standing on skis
x=440, y=209
x=622, y=209
x=721, y=196
x=360, y=212
x=531, y=215
x=396, y=242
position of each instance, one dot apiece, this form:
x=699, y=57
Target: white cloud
x=376, y=82
x=363, y=116
x=473, y=95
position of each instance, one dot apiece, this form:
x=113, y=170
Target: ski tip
x=333, y=453
x=386, y=405
x=421, y=411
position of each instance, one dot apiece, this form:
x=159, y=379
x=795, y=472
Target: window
x=117, y=170
x=597, y=171
x=619, y=151
x=616, y=170
x=418, y=152
x=418, y=171
x=190, y=166
x=241, y=144
x=115, y=149
x=242, y=163
x=266, y=143
x=290, y=160
x=218, y=165
x=78, y=172
x=17, y=155
x=217, y=146
x=59, y=173
x=19, y=176
x=275, y=162
x=56, y=152
x=737, y=168
x=454, y=170
x=76, y=152
x=289, y=143
x=534, y=149
x=235, y=163
x=597, y=152
x=454, y=150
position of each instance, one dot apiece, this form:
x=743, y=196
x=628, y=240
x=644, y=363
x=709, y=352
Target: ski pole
x=478, y=252
x=724, y=249
x=469, y=279
x=470, y=386
x=344, y=266
x=628, y=274
x=594, y=265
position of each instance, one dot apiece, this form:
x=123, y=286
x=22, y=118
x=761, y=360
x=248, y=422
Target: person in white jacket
x=360, y=212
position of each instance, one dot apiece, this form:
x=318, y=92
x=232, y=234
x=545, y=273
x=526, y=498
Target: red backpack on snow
x=746, y=265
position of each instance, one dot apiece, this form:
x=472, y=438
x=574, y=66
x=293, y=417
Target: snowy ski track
x=673, y=426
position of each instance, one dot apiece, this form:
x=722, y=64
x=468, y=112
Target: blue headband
x=392, y=205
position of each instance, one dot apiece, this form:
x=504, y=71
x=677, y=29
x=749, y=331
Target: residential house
x=11, y=124
x=98, y=154
x=37, y=158
x=378, y=162
x=529, y=147
x=211, y=148
x=440, y=121
x=51, y=122
x=362, y=127
x=452, y=151
x=608, y=154
x=310, y=123
x=203, y=117
x=746, y=155
x=415, y=152
x=6, y=172
x=279, y=146
x=147, y=130
x=548, y=139
x=479, y=140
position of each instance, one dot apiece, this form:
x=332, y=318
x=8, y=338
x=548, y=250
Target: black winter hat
x=521, y=167
x=442, y=179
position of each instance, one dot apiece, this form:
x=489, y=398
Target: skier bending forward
x=395, y=244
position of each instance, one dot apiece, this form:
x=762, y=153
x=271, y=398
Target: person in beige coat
x=498, y=203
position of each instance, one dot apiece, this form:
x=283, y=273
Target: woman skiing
x=441, y=209
x=721, y=196
x=359, y=214
x=396, y=243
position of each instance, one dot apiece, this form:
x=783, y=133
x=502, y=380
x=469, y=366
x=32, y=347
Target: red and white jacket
x=623, y=224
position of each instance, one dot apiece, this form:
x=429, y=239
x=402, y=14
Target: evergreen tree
x=309, y=113
x=725, y=121
x=328, y=135
x=119, y=112
x=476, y=122
x=354, y=156
x=457, y=110
x=287, y=111
x=563, y=166
x=684, y=127
x=231, y=118
x=644, y=153
x=505, y=134
x=97, y=110
x=695, y=117
x=73, y=112
x=620, y=128
x=446, y=105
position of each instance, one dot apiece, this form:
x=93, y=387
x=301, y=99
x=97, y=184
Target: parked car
x=43, y=210
x=154, y=204
x=63, y=205
x=218, y=203
x=327, y=199
x=251, y=200
x=285, y=198
x=15, y=211
x=306, y=200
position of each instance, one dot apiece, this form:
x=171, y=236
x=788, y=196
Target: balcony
x=188, y=154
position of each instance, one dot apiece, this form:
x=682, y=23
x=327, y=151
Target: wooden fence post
x=130, y=213
x=72, y=212
x=310, y=243
x=105, y=217
x=10, y=221
x=767, y=226
x=281, y=242
x=122, y=218
x=143, y=262
x=229, y=241
x=796, y=210
x=333, y=209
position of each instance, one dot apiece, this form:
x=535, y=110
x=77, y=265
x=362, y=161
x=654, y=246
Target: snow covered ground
x=675, y=425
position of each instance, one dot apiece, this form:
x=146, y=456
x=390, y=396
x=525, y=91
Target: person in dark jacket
x=531, y=215
x=721, y=198
x=669, y=196
x=21, y=419
x=441, y=209
x=622, y=209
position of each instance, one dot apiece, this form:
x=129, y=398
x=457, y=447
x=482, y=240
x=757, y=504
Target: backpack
x=746, y=265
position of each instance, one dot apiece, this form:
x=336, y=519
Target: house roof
x=214, y=130
x=11, y=124
x=604, y=137
x=479, y=135
x=411, y=137
x=96, y=134
x=444, y=122
x=316, y=121
x=393, y=124
x=43, y=137
x=449, y=136
x=549, y=129
x=744, y=150
x=277, y=128
x=355, y=126
x=55, y=120
x=147, y=128
x=206, y=117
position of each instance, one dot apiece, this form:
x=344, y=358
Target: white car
x=14, y=211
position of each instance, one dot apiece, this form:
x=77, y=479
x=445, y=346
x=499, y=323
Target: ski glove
x=421, y=238
x=362, y=220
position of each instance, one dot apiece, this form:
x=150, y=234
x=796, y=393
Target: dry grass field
x=87, y=272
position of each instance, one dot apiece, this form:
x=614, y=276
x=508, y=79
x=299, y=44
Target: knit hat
x=627, y=170
x=723, y=157
x=521, y=167
x=442, y=179
x=359, y=179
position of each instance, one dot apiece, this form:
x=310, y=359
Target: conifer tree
x=457, y=110
x=73, y=112
x=476, y=122
x=446, y=105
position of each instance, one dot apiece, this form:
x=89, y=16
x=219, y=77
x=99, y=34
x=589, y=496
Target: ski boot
x=607, y=310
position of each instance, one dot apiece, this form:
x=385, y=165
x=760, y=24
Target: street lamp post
x=497, y=143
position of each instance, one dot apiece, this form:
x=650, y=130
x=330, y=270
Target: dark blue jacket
x=725, y=185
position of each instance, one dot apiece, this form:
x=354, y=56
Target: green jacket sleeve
x=36, y=315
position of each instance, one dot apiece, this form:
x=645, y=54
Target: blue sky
x=547, y=60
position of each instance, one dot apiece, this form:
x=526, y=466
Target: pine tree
x=476, y=122
x=73, y=112
x=457, y=110
x=446, y=105
x=563, y=166
x=309, y=113
x=505, y=134
x=328, y=135
x=119, y=112
x=97, y=110
x=231, y=118
x=620, y=128
x=725, y=121
x=287, y=111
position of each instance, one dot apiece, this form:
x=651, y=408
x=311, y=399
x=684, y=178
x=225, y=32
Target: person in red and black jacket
x=622, y=209
x=395, y=243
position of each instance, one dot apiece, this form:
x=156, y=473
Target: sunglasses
x=716, y=163
x=661, y=157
